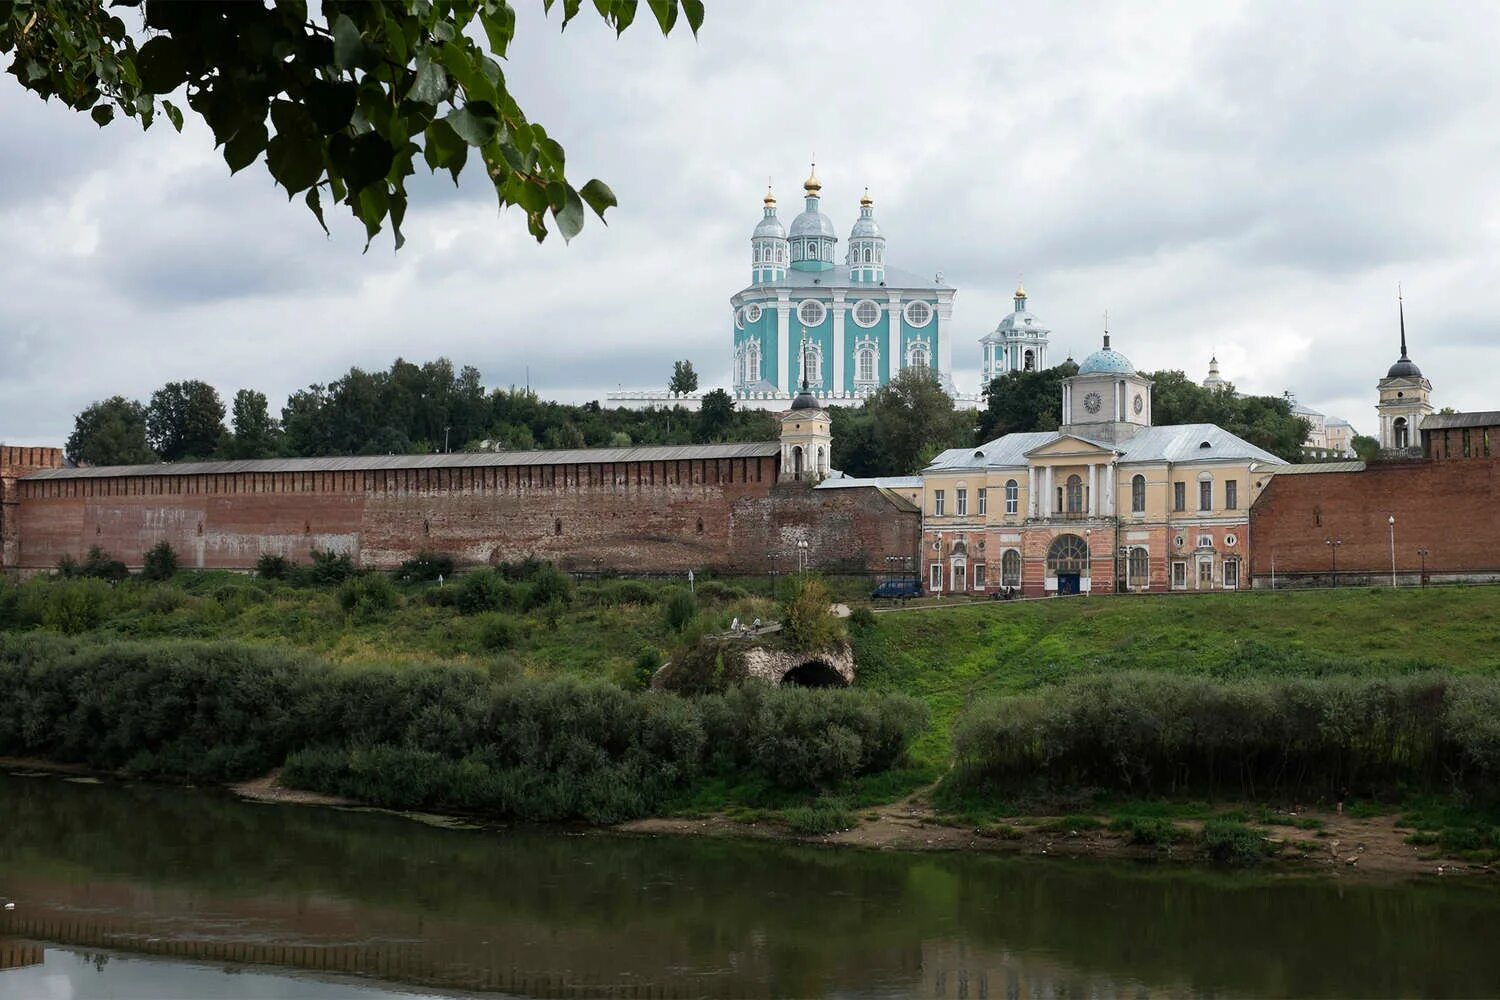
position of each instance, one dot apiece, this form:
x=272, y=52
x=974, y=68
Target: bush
x=717, y=592
x=160, y=562
x=68, y=606
x=481, y=590
x=97, y=565
x=367, y=597
x=807, y=620
x=497, y=631
x=620, y=592
x=550, y=586
x=680, y=609
x=862, y=618
x=822, y=817
x=1231, y=843
x=426, y=567
x=1147, y=831
x=274, y=567
x=328, y=568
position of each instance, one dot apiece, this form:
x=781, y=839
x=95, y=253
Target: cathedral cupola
x=812, y=236
x=866, y=245
x=1018, y=344
x=769, y=252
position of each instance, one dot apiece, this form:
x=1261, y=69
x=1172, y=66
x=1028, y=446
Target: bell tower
x=1405, y=398
x=806, y=437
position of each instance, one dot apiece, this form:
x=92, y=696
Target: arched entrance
x=813, y=674
x=1068, y=564
x=797, y=462
x=1402, y=433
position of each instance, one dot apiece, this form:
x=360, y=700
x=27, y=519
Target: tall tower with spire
x=1215, y=381
x=769, y=253
x=866, y=245
x=1405, y=397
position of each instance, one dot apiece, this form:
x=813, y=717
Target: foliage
x=160, y=562
x=1265, y=421
x=480, y=591
x=111, y=432
x=70, y=606
x=97, y=564
x=684, y=380
x=549, y=586
x=273, y=567
x=824, y=816
x=1366, y=448
x=366, y=597
x=328, y=567
x=913, y=419
x=354, y=93
x=807, y=615
x=497, y=631
x=708, y=666
x=680, y=608
x=1148, y=831
x=426, y=567
x=715, y=415
x=1022, y=401
x=256, y=434
x=1231, y=843
x=185, y=420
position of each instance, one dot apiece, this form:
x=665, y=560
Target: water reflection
x=196, y=877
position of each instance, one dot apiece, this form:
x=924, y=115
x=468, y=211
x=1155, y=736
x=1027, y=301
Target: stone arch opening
x=813, y=674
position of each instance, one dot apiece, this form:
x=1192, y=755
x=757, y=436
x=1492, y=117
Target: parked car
x=897, y=589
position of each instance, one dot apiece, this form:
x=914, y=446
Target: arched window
x=752, y=362
x=1073, y=492
x=869, y=255
x=1010, y=568
x=1138, y=494
x=1067, y=554
x=810, y=365
x=864, y=371
x=1030, y=362
x=822, y=465
x=1402, y=438
x=916, y=356
x=1138, y=572
x=1012, y=496
x=797, y=462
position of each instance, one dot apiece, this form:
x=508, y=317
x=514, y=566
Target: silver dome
x=770, y=226
x=812, y=223
x=864, y=228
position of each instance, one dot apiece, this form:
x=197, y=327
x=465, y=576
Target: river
x=135, y=891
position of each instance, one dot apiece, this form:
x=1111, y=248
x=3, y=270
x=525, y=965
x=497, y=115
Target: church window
x=1010, y=568
x=1179, y=496
x=1138, y=494
x=1075, y=495
x=752, y=313
x=916, y=356
x=1138, y=570
x=865, y=369
x=1206, y=494
x=961, y=502
x=810, y=365
x=752, y=362
x=866, y=313
x=937, y=503
x=1030, y=362
x=869, y=255
x=1401, y=435
x=811, y=312
x=1231, y=494
x=984, y=501
x=1067, y=554
x=918, y=313
x=1012, y=496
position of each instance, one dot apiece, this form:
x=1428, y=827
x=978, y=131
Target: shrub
x=1231, y=843
x=619, y=592
x=328, y=568
x=645, y=666
x=1147, y=831
x=497, y=631
x=822, y=817
x=862, y=618
x=68, y=606
x=163, y=600
x=367, y=597
x=99, y=565
x=680, y=609
x=807, y=619
x=274, y=567
x=426, y=567
x=479, y=591
x=160, y=562
x=715, y=591
x=549, y=586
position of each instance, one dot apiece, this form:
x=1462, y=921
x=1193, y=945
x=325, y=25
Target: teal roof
x=1106, y=361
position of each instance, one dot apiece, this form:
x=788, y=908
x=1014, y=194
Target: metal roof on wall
x=1448, y=421
x=1312, y=468
x=462, y=460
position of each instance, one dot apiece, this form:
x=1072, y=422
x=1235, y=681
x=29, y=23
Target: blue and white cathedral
x=856, y=323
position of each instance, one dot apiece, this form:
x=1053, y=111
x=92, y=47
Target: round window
x=1179, y=540
x=918, y=313
x=1230, y=539
x=811, y=312
x=752, y=313
x=867, y=312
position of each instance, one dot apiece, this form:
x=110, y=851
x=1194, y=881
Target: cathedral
x=844, y=325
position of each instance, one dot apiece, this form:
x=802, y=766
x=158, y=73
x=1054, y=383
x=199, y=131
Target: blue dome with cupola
x=812, y=221
x=1106, y=361
x=770, y=226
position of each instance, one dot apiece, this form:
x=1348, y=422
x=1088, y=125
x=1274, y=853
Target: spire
x=1106, y=329
x=1401, y=308
x=812, y=185
x=1020, y=295
x=865, y=201
x=770, y=199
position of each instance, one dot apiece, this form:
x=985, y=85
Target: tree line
x=433, y=407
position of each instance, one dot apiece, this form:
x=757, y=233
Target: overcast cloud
x=1246, y=179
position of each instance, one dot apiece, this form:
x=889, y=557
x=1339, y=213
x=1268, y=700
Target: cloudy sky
x=1247, y=179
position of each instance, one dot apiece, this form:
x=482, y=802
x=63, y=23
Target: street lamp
x=802, y=556
x=1423, y=554
x=1392, y=522
x=1333, y=549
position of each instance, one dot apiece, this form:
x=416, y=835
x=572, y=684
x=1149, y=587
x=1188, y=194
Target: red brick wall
x=16, y=462
x=1448, y=445
x=1447, y=508
x=636, y=517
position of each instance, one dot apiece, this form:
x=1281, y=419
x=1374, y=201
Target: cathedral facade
x=846, y=323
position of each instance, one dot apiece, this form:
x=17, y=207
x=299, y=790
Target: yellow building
x=1106, y=502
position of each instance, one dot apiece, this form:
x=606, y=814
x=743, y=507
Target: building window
x=916, y=356
x=1067, y=554
x=1231, y=574
x=1206, y=494
x=811, y=312
x=1010, y=568
x=1138, y=494
x=961, y=502
x=752, y=362
x=1012, y=496
x=865, y=365
x=984, y=501
x=866, y=313
x=1205, y=541
x=1401, y=435
x=918, y=314
x=752, y=313
x=1179, y=576
x=937, y=503
x=1179, y=496
x=979, y=576
x=810, y=364
x=1074, y=494
x=1231, y=494
x=1230, y=541
x=1138, y=570
x=935, y=577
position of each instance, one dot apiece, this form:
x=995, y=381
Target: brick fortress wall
x=1446, y=508
x=646, y=517
x=16, y=462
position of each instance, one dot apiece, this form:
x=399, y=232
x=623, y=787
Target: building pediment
x=1071, y=445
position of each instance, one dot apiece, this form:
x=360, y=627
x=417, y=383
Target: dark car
x=896, y=589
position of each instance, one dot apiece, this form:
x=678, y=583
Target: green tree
x=1017, y=402
x=1265, y=421
x=111, y=432
x=715, y=416
x=353, y=92
x=185, y=420
x=913, y=419
x=1365, y=447
x=256, y=433
x=684, y=380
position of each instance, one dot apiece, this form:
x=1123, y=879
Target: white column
x=837, y=385
x=1113, y=473
x=1031, y=491
x=783, y=338
x=1093, y=488
x=1047, y=499
x=894, y=365
x=944, y=347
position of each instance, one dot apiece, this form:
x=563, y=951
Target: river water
x=136, y=891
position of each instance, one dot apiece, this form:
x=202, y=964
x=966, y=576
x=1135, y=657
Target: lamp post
x=1423, y=554
x=802, y=556
x=1392, y=522
x=1333, y=550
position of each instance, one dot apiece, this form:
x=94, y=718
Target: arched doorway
x=1068, y=563
x=1030, y=362
x=797, y=462
x=813, y=674
x=1402, y=436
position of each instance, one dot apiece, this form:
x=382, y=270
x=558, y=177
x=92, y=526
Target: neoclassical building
x=863, y=320
x=1018, y=344
x=1107, y=502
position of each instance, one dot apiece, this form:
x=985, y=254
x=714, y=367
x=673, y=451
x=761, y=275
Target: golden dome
x=770, y=199
x=812, y=185
x=1020, y=289
x=865, y=202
